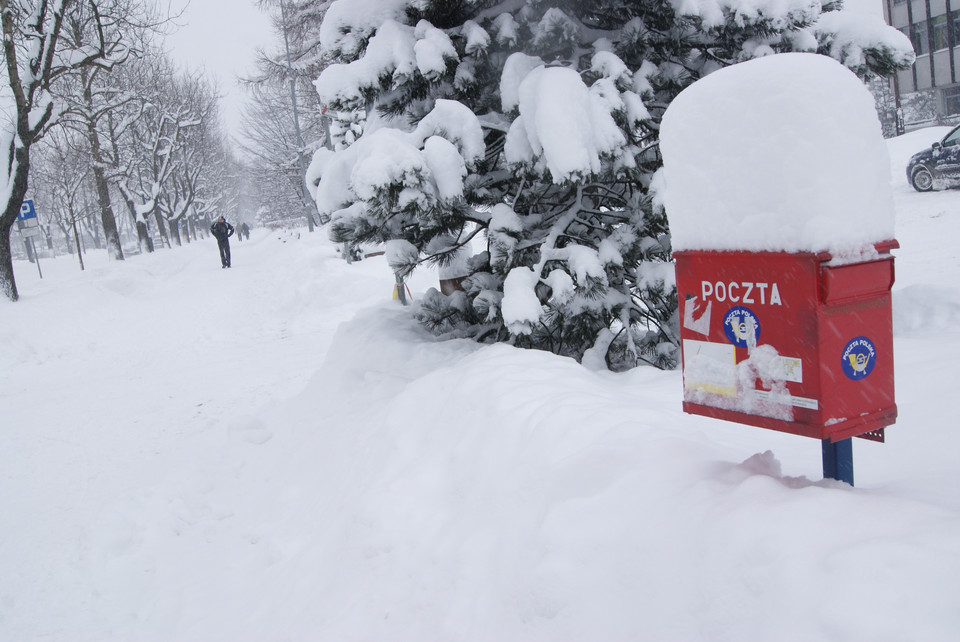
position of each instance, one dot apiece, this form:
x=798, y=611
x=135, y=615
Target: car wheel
x=922, y=179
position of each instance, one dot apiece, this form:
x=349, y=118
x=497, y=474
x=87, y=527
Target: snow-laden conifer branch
x=570, y=98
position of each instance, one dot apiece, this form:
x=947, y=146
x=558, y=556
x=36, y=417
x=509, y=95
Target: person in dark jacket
x=222, y=230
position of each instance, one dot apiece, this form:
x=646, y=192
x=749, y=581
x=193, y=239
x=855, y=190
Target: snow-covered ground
x=277, y=452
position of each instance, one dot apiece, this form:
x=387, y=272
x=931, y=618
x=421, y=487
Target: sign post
x=29, y=226
x=838, y=460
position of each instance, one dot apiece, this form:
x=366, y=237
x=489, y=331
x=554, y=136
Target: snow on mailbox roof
x=782, y=153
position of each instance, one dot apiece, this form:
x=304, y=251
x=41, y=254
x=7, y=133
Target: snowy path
x=157, y=355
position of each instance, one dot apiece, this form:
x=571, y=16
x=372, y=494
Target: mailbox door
x=827, y=330
x=731, y=301
x=857, y=347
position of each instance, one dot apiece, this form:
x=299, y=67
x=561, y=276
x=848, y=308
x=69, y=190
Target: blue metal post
x=838, y=460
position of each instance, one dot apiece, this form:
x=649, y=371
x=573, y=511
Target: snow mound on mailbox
x=782, y=153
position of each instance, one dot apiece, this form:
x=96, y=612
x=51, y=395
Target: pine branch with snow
x=554, y=108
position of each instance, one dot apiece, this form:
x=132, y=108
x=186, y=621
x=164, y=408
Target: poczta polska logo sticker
x=742, y=327
x=859, y=357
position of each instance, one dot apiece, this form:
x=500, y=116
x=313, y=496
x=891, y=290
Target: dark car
x=937, y=167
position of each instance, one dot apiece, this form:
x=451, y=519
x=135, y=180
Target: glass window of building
x=951, y=100
x=918, y=36
x=955, y=26
x=939, y=27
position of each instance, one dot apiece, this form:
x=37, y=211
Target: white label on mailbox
x=798, y=402
x=792, y=369
x=696, y=315
x=710, y=367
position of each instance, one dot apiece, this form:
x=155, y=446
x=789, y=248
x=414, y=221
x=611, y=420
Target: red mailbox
x=796, y=342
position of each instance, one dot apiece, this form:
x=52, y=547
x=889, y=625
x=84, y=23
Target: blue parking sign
x=27, y=210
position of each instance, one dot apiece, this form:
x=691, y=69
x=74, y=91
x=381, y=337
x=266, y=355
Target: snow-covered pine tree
x=532, y=125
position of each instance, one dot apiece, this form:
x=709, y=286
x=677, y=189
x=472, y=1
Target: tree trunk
x=94, y=231
x=66, y=231
x=18, y=189
x=76, y=236
x=175, y=232
x=144, y=242
x=107, y=218
x=143, y=237
x=161, y=227
x=7, y=285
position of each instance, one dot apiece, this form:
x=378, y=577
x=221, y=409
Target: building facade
x=929, y=92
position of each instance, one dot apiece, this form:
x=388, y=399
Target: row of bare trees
x=47, y=44
x=105, y=131
x=145, y=141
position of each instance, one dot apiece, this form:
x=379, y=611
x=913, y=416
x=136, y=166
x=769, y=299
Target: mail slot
x=797, y=342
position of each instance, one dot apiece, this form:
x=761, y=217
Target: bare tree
x=63, y=179
x=285, y=123
x=40, y=47
x=103, y=103
x=155, y=141
x=270, y=146
x=195, y=155
x=152, y=134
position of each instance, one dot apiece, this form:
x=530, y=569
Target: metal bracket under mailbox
x=874, y=435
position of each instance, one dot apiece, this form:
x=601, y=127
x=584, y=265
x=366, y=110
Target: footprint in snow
x=250, y=430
